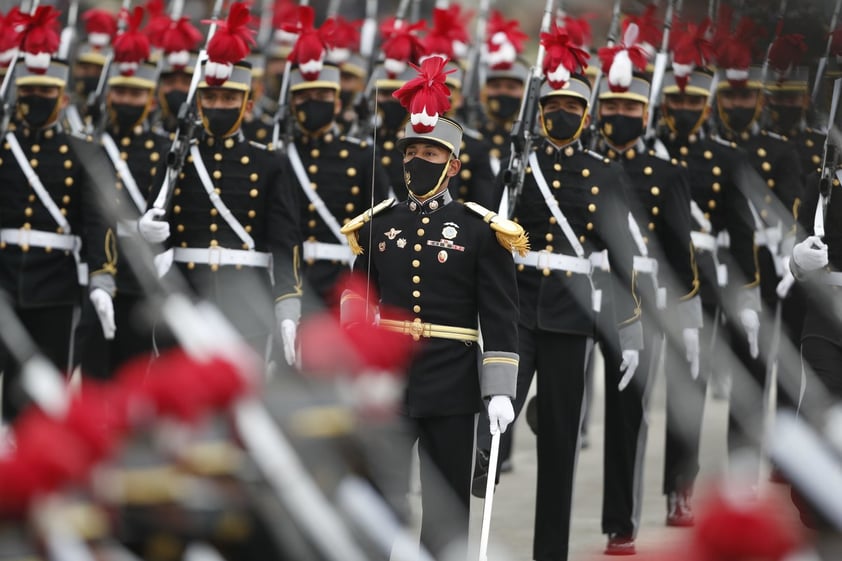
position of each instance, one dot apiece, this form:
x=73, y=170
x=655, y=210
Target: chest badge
x=381, y=246
x=401, y=243
x=442, y=256
x=392, y=233
x=449, y=231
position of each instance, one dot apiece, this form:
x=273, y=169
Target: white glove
x=629, y=366
x=104, y=307
x=152, y=228
x=787, y=281
x=810, y=254
x=288, y=331
x=500, y=413
x=751, y=323
x=691, y=348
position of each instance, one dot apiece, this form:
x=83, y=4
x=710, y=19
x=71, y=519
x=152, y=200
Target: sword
x=489, y=496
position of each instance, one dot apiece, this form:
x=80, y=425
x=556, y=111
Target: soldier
x=136, y=153
x=49, y=215
x=774, y=201
x=440, y=262
x=571, y=203
x=177, y=40
x=100, y=28
x=232, y=223
x=334, y=174
x=728, y=276
x=667, y=286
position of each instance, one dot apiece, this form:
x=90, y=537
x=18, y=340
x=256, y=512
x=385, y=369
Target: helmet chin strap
x=433, y=191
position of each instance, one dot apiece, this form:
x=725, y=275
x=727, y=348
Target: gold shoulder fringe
x=351, y=229
x=509, y=233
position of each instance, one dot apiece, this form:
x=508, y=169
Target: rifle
x=282, y=120
x=95, y=105
x=522, y=128
x=68, y=34
x=475, y=76
x=613, y=31
x=187, y=121
x=829, y=160
x=823, y=60
x=661, y=59
x=5, y=109
x=264, y=30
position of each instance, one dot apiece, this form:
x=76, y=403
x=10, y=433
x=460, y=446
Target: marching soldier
x=100, y=28
x=667, y=286
x=390, y=122
x=571, y=203
x=232, y=223
x=445, y=265
x=728, y=276
x=334, y=174
x=136, y=153
x=50, y=216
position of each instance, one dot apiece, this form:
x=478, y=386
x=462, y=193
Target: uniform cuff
x=499, y=374
x=631, y=337
x=749, y=299
x=288, y=308
x=105, y=282
x=690, y=313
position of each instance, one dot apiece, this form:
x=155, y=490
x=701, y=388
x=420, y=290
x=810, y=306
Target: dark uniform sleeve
x=283, y=235
x=740, y=224
x=676, y=243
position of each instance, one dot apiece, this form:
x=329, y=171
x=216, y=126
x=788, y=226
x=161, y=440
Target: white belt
x=127, y=228
x=703, y=241
x=723, y=239
x=555, y=261
x=599, y=260
x=768, y=237
x=39, y=238
x=646, y=265
x=222, y=256
x=328, y=252
x=832, y=278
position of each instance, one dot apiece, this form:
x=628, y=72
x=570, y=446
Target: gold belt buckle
x=416, y=329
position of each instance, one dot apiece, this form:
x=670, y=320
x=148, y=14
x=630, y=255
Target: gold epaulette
x=351, y=229
x=510, y=234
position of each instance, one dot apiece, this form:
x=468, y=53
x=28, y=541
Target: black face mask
x=739, y=118
x=620, y=130
x=393, y=115
x=36, y=110
x=684, y=121
x=786, y=118
x=126, y=117
x=273, y=86
x=503, y=107
x=562, y=125
x=423, y=177
x=346, y=98
x=173, y=100
x=219, y=122
x=313, y=115
x=86, y=85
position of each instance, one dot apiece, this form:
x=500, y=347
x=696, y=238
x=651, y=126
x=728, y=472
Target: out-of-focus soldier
x=90, y=57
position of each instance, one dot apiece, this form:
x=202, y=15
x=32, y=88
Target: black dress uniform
x=557, y=319
x=40, y=280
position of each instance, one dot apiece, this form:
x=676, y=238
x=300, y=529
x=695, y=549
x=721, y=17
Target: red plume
x=284, y=14
x=692, y=49
x=100, y=26
x=836, y=42
x=448, y=37
x=40, y=37
x=343, y=36
x=505, y=41
x=649, y=29
x=734, y=51
x=230, y=43
x=579, y=29
x=426, y=96
x=177, y=40
x=158, y=22
x=312, y=44
x=131, y=47
x=9, y=37
x=401, y=44
x=619, y=61
x=786, y=53
x=562, y=57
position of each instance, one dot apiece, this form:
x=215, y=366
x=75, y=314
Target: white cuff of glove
x=500, y=413
x=288, y=330
x=104, y=308
x=628, y=367
x=691, y=348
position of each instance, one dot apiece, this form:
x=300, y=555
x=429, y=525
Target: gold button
x=154, y=157
x=149, y=144
x=388, y=145
x=631, y=154
x=586, y=172
x=64, y=212
x=253, y=178
x=716, y=187
x=314, y=153
x=711, y=204
x=464, y=156
x=352, y=172
x=764, y=213
x=465, y=174
x=761, y=152
x=27, y=212
x=771, y=183
x=557, y=166
x=313, y=186
x=420, y=231
x=214, y=243
x=125, y=141
x=416, y=279
x=416, y=263
x=214, y=227
x=311, y=207
x=213, y=212
x=252, y=214
x=416, y=308
x=349, y=207
x=647, y=170
x=417, y=247
x=245, y=160
x=707, y=216
x=766, y=166
x=556, y=183
x=229, y=142
x=176, y=209
x=180, y=227
x=651, y=226
x=591, y=207
x=124, y=156
x=767, y=199
x=548, y=247
x=33, y=162
x=546, y=272
x=655, y=191
x=425, y=220
x=355, y=190
x=582, y=239
x=191, y=265
x=217, y=157
x=253, y=193
x=312, y=168
x=655, y=211
x=311, y=223
x=344, y=153
x=717, y=171
x=683, y=150
x=36, y=148
x=247, y=228
x=549, y=237
x=416, y=294
x=816, y=159
x=589, y=226
x=809, y=142
x=568, y=274
x=63, y=149
x=217, y=174
x=386, y=160
x=708, y=155
x=520, y=267
x=31, y=198
x=217, y=190
x=553, y=220
x=594, y=190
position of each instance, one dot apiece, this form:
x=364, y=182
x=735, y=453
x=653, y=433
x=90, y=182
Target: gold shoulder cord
x=509, y=233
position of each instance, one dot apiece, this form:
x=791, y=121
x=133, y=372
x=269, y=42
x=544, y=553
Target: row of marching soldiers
x=671, y=212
